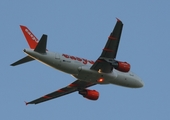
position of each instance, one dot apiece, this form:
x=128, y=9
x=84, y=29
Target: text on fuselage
x=85, y=61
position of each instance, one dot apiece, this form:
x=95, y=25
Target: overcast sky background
x=81, y=29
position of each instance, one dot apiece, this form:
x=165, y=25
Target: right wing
x=75, y=86
x=103, y=63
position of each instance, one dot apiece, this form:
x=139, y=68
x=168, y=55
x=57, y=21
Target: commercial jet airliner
x=105, y=70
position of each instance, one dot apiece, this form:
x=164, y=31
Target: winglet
x=118, y=20
x=26, y=103
x=30, y=37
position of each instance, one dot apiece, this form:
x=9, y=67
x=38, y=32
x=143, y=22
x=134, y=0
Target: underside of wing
x=103, y=63
x=75, y=86
x=111, y=47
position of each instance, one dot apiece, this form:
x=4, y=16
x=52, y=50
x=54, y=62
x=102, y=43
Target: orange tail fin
x=30, y=37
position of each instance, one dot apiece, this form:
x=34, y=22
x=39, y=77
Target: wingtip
x=118, y=20
x=26, y=103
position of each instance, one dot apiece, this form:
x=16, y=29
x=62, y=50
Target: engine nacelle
x=89, y=94
x=122, y=66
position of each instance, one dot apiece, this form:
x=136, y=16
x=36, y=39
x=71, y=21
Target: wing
x=109, y=52
x=75, y=86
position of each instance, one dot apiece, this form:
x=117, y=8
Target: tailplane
x=23, y=60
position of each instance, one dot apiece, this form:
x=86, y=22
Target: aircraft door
x=57, y=56
x=57, y=59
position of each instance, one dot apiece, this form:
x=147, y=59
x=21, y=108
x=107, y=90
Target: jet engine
x=121, y=66
x=89, y=94
x=118, y=65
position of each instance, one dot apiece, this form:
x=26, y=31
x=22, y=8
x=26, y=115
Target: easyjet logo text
x=31, y=35
x=85, y=61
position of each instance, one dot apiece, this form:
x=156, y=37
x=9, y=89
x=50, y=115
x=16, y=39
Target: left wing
x=75, y=86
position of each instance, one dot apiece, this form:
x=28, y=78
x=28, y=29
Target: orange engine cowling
x=122, y=66
x=89, y=94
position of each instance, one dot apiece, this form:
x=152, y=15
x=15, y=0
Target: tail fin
x=33, y=43
x=30, y=37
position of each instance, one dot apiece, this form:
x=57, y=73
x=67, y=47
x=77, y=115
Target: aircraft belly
x=69, y=68
x=86, y=74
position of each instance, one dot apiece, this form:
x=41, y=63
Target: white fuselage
x=80, y=69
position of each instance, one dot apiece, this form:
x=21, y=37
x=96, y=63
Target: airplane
x=105, y=70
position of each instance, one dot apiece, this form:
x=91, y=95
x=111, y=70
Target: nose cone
x=140, y=83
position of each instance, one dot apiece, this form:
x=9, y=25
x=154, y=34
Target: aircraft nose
x=140, y=83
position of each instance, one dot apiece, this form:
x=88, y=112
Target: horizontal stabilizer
x=23, y=60
x=41, y=46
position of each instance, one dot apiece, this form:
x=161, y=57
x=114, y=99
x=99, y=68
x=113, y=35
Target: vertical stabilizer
x=30, y=37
